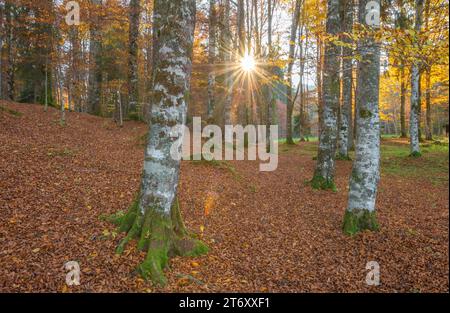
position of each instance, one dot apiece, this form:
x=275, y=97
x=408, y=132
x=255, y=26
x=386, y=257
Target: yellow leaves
x=209, y=203
x=195, y=264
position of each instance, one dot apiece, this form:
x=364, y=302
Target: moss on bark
x=163, y=236
x=358, y=220
x=320, y=182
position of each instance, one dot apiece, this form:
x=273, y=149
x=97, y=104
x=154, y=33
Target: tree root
x=162, y=236
x=358, y=220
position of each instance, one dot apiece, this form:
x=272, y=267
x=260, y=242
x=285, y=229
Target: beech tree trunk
x=154, y=218
x=360, y=213
x=345, y=130
x=133, y=36
x=95, y=72
x=291, y=59
x=429, y=125
x=325, y=167
x=225, y=47
x=402, y=102
x=212, y=58
x=414, y=117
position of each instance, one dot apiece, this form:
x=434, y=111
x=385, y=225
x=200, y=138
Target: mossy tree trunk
x=365, y=175
x=325, y=167
x=154, y=218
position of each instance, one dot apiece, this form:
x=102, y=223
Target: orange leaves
x=210, y=201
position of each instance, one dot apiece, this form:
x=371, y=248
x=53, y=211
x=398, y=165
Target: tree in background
x=212, y=57
x=133, y=51
x=95, y=57
x=414, y=117
x=291, y=59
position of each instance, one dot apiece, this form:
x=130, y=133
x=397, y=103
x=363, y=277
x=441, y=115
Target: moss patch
x=10, y=111
x=343, y=157
x=162, y=236
x=359, y=220
x=415, y=154
x=321, y=183
x=364, y=113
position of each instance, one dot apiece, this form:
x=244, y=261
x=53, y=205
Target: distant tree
x=291, y=59
x=212, y=57
x=133, y=49
x=414, y=117
x=95, y=55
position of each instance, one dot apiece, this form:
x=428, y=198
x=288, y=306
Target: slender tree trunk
x=95, y=71
x=226, y=47
x=155, y=216
x=402, y=102
x=319, y=69
x=133, y=49
x=270, y=99
x=345, y=130
x=360, y=213
x=9, y=71
x=212, y=58
x=325, y=167
x=414, y=118
x=291, y=59
x=429, y=125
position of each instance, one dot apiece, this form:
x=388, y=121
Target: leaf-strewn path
x=267, y=231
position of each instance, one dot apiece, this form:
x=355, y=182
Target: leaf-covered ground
x=267, y=231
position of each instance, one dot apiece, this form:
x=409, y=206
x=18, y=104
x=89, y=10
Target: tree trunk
x=291, y=59
x=325, y=167
x=211, y=58
x=133, y=49
x=95, y=71
x=8, y=46
x=226, y=46
x=360, y=213
x=414, y=117
x=154, y=218
x=429, y=125
x=345, y=130
x=270, y=98
x=402, y=102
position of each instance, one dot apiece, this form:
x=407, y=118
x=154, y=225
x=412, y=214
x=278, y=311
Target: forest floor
x=267, y=231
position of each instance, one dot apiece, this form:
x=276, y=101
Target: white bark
x=172, y=75
x=414, y=117
x=366, y=166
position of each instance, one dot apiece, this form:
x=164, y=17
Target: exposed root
x=162, y=236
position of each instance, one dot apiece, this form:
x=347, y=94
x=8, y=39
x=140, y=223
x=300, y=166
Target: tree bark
x=402, y=102
x=429, y=125
x=325, y=167
x=291, y=59
x=155, y=217
x=133, y=50
x=345, y=129
x=95, y=71
x=360, y=213
x=212, y=58
x=226, y=46
x=414, y=117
